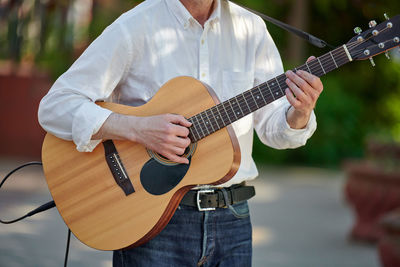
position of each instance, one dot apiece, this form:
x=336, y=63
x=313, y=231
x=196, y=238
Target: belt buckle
x=198, y=200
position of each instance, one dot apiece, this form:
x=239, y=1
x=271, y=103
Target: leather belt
x=211, y=198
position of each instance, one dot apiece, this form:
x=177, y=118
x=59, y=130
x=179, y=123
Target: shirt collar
x=184, y=16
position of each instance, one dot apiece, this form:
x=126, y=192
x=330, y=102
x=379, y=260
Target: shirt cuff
x=88, y=121
x=298, y=137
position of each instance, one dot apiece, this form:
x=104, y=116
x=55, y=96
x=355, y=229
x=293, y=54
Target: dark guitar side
x=92, y=204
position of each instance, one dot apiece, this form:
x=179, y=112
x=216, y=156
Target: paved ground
x=299, y=218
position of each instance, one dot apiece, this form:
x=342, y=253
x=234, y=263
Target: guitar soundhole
x=160, y=175
x=163, y=160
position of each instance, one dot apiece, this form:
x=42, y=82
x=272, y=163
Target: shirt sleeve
x=270, y=121
x=69, y=111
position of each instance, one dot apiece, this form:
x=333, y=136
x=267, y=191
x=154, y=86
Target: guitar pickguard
x=92, y=204
x=158, y=178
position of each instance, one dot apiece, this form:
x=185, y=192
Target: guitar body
x=122, y=195
x=93, y=205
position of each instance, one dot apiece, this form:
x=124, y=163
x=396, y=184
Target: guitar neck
x=231, y=110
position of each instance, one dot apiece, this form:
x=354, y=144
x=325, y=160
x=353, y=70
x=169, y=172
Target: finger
x=311, y=58
x=180, y=131
x=179, y=142
x=298, y=81
x=179, y=119
x=296, y=91
x=310, y=84
x=171, y=129
x=291, y=98
x=311, y=79
x=177, y=150
x=176, y=158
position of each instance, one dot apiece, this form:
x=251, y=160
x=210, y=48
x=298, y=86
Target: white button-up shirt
x=159, y=40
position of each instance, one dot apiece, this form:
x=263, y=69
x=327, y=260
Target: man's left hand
x=303, y=93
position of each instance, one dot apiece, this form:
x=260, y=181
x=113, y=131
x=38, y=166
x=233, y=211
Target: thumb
x=310, y=58
x=179, y=119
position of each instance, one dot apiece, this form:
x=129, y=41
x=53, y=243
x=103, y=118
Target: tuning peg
x=372, y=61
x=386, y=16
x=357, y=30
x=372, y=23
x=387, y=55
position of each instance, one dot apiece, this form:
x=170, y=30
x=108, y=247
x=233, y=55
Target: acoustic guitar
x=123, y=194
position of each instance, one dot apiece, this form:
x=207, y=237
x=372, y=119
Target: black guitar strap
x=310, y=38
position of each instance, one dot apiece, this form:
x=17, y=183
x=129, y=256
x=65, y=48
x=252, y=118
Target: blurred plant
x=52, y=33
x=36, y=31
x=384, y=155
x=358, y=101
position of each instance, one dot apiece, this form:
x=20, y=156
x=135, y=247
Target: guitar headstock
x=376, y=40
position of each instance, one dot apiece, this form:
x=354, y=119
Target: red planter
x=20, y=132
x=389, y=243
x=372, y=193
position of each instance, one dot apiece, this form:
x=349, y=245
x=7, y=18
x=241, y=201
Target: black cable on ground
x=18, y=168
x=42, y=208
x=67, y=248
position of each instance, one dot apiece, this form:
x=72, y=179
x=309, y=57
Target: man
x=216, y=42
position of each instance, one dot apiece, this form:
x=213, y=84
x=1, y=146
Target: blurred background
x=351, y=163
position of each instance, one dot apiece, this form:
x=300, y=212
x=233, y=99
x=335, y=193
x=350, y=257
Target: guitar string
x=273, y=89
x=357, y=43
x=264, y=86
x=361, y=51
x=218, y=120
x=342, y=55
x=314, y=67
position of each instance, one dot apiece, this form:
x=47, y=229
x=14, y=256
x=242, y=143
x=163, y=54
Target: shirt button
x=203, y=75
x=202, y=41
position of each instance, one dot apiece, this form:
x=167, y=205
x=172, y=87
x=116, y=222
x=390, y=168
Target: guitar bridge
x=117, y=168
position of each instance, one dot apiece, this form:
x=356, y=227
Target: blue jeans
x=193, y=238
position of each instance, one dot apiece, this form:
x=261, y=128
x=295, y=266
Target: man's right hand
x=165, y=134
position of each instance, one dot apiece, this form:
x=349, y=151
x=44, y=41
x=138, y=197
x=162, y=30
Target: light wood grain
x=95, y=208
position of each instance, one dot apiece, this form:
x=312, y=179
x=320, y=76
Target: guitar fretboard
x=231, y=110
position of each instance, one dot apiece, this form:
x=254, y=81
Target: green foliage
x=358, y=102
x=104, y=15
x=46, y=33
x=339, y=134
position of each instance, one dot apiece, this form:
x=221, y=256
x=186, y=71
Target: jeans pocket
x=240, y=210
